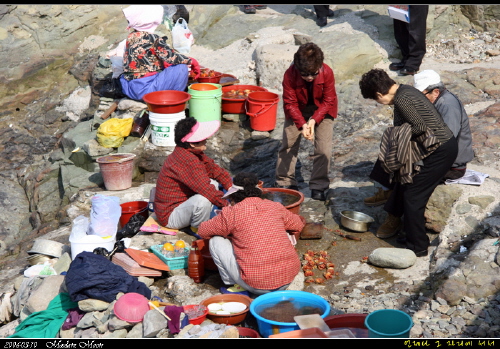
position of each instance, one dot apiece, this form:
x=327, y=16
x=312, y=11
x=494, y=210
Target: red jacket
x=258, y=229
x=185, y=173
x=295, y=95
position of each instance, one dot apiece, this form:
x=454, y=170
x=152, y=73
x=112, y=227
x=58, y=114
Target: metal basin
x=356, y=221
x=47, y=247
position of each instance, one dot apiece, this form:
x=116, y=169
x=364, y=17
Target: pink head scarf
x=144, y=18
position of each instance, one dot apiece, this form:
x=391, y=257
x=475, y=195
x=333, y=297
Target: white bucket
x=162, y=128
x=89, y=243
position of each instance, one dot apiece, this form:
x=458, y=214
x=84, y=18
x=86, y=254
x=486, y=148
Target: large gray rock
x=398, y=258
x=439, y=206
x=14, y=218
x=153, y=323
x=43, y=295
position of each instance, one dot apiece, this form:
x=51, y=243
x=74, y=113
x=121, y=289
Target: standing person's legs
x=323, y=135
x=401, y=36
x=287, y=155
x=416, y=36
x=417, y=194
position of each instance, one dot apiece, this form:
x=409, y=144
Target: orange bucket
x=262, y=110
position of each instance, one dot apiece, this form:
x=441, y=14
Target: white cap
x=425, y=78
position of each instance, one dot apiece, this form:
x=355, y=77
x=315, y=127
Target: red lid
x=147, y=259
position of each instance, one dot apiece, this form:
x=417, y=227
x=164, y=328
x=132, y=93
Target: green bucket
x=205, y=104
x=388, y=323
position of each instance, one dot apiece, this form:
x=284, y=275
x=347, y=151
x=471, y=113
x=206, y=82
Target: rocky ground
x=451, y=293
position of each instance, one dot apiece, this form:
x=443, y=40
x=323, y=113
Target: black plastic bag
x=132, y=227
x=112, y=88
x=117, y=248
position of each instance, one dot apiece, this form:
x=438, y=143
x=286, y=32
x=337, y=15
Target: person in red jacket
x=188, y=183
x=310, y=105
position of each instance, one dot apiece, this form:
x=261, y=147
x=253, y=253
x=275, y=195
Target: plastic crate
x=173, y=263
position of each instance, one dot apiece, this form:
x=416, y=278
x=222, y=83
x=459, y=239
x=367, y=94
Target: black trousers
x=321, y=10
x=410, y=200
x=411, y=36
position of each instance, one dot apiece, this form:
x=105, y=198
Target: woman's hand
x=308, y=129
x=195, y=68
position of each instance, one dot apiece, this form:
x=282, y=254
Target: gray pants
x=287, y=155
x=222, y=253
x=192, y=212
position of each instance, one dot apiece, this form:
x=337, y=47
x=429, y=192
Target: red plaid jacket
x=185, y=173
x=258, y=229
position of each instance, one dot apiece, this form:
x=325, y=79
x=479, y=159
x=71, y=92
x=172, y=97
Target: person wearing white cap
x=454, y=115
x=149, y=64
x=250, y=240
x=188, y=183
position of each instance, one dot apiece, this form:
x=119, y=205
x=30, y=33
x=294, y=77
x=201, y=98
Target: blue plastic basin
x=298, y=298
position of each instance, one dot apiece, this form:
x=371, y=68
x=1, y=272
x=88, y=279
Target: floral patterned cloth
x=147, y=54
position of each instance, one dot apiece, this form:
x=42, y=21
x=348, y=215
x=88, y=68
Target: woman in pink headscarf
x=149, y=64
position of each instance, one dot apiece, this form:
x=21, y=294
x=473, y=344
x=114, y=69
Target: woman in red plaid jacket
x=249, y=240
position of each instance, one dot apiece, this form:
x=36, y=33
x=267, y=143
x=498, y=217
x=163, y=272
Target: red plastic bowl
x=214, y=80
x=199, y=319
x=237, y=105
x=166, y=101
x=248, y=332
x=131, y=307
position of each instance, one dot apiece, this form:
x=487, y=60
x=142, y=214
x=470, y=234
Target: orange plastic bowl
x=131, y=307
x=230, y=319
x=203, y=87
x=166, y=101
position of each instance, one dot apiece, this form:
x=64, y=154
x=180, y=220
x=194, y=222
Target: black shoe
x=421, y=253
x=318, y=195
x=331, y=14
x=396, y=66
x=321, y=21
x=406, y=71
x=293, y=187
x=248, y=9
x=260, y=7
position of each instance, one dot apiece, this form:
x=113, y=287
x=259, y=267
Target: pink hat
x=201, y=131
x=144, y=18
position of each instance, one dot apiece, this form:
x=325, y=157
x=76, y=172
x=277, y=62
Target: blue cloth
x=94, y=276
x=174, y=77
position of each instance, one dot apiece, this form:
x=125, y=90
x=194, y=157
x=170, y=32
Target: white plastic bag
x=104, y=215
x=116, y=58
x=80, y=228
x=182, y=38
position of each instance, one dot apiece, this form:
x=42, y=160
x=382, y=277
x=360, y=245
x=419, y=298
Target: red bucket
x=262, y=110
x=166, y=101
x=236, y=105
x=131, y=208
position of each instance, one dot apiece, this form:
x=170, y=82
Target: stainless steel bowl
x=47, y=247
x=356, y=221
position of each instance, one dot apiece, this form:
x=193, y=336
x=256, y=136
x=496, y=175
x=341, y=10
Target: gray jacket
x=454, y=115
